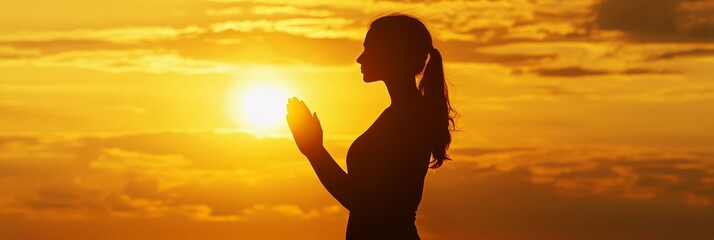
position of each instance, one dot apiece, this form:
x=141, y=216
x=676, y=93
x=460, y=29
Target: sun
x=258, y=100
x=263, y=106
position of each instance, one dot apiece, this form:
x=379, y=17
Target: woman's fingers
x=293, y=106
x=296, y=106
x=302, y=106
x=298, y=114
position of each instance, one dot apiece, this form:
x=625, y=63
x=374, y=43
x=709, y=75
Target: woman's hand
x=305, y=127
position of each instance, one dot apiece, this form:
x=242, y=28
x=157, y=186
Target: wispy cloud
x=674, y=20
x=139, y=60
x=118, y=35
x=143, y=176
x=575, y=71
x=290, y=10
x=567, y=187
x=309, y=27
x=697, y=52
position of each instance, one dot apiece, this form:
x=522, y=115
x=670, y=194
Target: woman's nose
x=360, y=58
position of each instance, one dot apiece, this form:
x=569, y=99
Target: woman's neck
x=403, y=92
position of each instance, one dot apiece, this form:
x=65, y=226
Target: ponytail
x=433, y=87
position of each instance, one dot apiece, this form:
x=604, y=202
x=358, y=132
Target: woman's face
x=374, y=59
x=384, y=59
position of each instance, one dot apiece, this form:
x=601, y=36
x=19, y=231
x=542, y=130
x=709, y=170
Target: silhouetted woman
x=387, y=163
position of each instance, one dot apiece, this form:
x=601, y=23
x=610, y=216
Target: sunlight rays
x=258, y=103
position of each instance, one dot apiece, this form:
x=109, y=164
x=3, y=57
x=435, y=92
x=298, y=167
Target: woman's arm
x=307, y=132
x=331, y=175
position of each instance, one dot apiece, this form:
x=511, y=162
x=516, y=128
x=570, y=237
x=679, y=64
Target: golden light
x=258, y=101
x=263, y=106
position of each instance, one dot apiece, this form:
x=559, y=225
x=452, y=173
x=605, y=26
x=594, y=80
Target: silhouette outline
x=388, y=163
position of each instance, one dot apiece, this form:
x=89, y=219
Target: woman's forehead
x=375, y=38
x=369, y=38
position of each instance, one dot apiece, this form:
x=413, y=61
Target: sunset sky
x=135, y=119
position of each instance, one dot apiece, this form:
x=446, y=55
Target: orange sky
x=579, y=119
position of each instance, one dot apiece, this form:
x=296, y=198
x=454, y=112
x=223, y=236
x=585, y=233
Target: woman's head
x=396, y=47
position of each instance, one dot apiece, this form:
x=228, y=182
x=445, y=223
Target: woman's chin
x=368, y=78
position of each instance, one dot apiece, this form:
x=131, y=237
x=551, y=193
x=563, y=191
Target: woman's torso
x=388, y=163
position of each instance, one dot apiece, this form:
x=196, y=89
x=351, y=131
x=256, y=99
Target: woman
x=387, y=163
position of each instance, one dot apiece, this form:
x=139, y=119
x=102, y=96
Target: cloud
x=583, y=72
x=155, y=61
x=14, y=53
x=477, y=22
x=138, y=60
x=569, y=72
x=124, y=35
x=158, y=175
x=663, y=20
x=637, y=71
x=574, y=193
x=309, y=27
x=292, y=211
x=284, y=33
x=475, y=152
x=19, y=140
x=293, y=41
x=214, y=178
x=697, y=52
x=224, y=11
x=289, y=10
x=512, y=59
x=685, y=93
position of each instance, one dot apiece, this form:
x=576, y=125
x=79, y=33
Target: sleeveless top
x=387, y=165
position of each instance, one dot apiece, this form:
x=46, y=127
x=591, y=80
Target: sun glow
x=258, y=103
x=263, y=106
